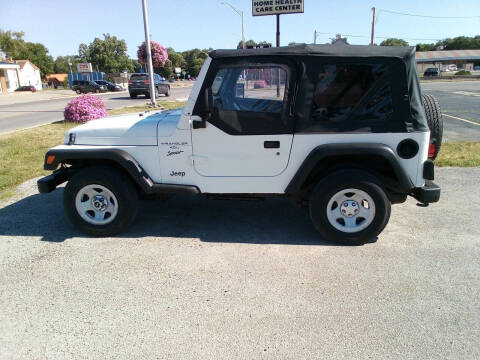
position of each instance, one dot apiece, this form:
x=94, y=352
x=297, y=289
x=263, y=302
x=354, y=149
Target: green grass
x=22, y=154
x=463, y=154
x=131, y=109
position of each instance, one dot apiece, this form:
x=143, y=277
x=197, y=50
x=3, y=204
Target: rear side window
x=351, y=93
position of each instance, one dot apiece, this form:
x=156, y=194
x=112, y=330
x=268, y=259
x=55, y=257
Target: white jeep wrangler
x=340, y=129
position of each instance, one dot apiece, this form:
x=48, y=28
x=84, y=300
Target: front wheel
x=100, y=201
x=349, y=207
x=168, y=91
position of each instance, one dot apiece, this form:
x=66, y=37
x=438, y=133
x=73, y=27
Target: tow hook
x=422, y=204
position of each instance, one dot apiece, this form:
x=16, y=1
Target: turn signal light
x=431, y=150
x=50, y=159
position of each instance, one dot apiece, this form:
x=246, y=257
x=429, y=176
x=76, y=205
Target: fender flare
x=120, y=157
x=360, y=149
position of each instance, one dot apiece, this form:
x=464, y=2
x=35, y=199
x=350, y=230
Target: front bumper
x=49, y=183
x=429, y=193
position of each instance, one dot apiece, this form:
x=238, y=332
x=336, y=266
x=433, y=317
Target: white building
x=8, y=76
x=29, y=74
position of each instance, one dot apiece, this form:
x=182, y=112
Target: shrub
x=159, y=54
x=463, y=72
x=84, y=108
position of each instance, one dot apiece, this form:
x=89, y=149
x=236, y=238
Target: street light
x=239, y=12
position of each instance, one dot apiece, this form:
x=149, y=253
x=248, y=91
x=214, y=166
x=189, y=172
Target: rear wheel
x=168, y=91
x=349, y=207
x=100, y=201
x=133, y=96
x=435, y=124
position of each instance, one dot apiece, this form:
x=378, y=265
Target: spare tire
x=435, y=124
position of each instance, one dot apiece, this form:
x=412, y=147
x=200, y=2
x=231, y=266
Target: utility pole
x=373, y=27
x=278, y=44
x=149, y=54
x=239, y=12
x=315, y=37
x=278, y=30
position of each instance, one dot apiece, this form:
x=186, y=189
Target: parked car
x=139, y=84
x=348, y=135
x=86, y=86
x=431, y=72
x=476, y=68
x=26, y=88
x=110, y=86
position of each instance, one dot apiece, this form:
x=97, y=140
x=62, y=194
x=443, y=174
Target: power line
x=428, y=16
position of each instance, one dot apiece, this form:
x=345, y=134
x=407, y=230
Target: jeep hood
x=131, y=129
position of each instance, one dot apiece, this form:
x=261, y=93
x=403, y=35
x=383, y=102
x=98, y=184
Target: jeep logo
x=177, y=173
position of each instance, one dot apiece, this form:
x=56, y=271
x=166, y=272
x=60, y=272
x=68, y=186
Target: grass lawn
x=464, y=154
x=129, y=109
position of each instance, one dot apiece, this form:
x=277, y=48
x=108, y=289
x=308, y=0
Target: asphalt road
x=460, y=104
x=25, y=115
x=204, y=279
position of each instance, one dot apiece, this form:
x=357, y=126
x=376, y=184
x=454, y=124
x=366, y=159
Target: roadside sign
x=178, y=70
x=84, y=67
x=276, y=7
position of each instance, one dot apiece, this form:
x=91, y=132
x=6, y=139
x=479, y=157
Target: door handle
x=271, y=144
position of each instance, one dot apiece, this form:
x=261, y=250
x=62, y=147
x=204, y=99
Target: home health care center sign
x=276, y=7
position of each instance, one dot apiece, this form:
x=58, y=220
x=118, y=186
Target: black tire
x=168, y=91
x=347, y=179
x=133, y=96
x=147, y=95
x=435, y=122
x=119, y=184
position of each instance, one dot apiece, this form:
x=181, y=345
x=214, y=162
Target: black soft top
x=406, y=54
x=399, y=52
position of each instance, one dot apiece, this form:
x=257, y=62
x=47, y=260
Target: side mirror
x=198, y=122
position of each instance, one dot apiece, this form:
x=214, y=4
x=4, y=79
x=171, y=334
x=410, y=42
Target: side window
x=352, y=92
x=252, y=89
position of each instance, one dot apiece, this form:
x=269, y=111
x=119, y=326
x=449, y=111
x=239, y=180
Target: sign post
x=277, y=7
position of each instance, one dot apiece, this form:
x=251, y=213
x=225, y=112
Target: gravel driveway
x=202, y=279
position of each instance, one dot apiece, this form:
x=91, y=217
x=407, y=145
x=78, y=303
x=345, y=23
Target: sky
x=61, y=25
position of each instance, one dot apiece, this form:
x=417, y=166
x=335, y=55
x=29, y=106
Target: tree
x=426, y=47
x=248, y=43
x=13, y=44
x=461, y=43
x=159, y=54
x=38, y=54
x=394, y=42
x=61, y=64
x=108, y=55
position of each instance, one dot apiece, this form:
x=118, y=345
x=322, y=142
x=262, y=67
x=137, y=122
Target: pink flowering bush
x=159, y=54
x=84, y=108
